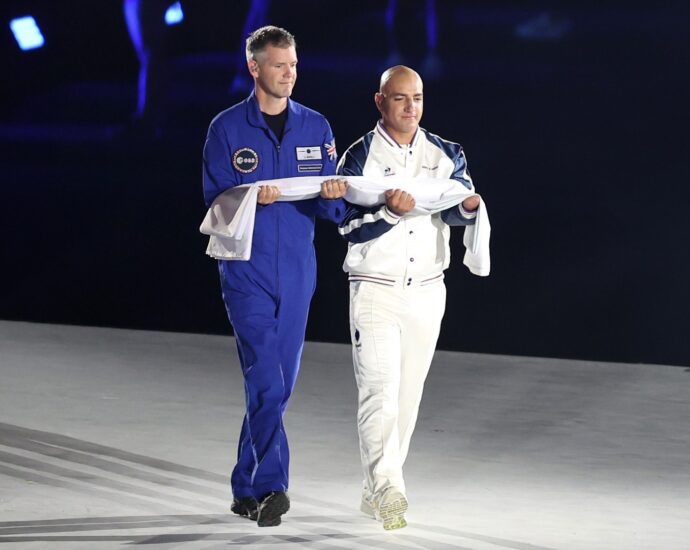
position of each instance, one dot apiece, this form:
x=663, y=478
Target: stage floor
x=119, y=437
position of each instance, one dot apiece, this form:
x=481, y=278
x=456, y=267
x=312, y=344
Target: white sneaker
x=391, y=508
x=367, y=508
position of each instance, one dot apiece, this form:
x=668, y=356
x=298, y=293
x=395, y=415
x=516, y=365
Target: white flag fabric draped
x=229, y=221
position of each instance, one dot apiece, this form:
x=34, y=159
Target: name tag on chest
x=308, y=153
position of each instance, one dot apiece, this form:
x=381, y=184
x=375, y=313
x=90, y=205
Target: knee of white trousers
x=377, y=423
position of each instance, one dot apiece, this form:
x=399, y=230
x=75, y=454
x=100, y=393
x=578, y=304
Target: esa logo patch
x=245, y=160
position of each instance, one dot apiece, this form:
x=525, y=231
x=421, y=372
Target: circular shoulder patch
x=245, y=160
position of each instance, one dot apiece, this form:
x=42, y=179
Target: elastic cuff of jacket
x=467, y=214
x=390, y=217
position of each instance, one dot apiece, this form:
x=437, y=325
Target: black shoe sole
x=242, y=510
x=271, y=509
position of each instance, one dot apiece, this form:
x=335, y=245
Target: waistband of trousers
x=401, y=282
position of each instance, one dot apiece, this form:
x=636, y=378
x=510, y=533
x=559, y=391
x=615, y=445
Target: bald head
x=400, y=100
x=393, y=74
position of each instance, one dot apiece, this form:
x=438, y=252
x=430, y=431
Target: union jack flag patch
x=330, y=149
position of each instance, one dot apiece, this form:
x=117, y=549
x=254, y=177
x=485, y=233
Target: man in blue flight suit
x=269, y=136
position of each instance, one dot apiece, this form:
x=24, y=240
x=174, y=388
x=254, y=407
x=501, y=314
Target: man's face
x=275, y=71
x=401, y=104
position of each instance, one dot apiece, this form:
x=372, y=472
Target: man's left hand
x=471, y=203
x=333, y=188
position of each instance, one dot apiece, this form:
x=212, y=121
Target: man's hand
x=333, y=188
x=399, y=202
x=471, y=203
x=267, y=194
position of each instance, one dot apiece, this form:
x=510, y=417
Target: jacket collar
x=390, y=141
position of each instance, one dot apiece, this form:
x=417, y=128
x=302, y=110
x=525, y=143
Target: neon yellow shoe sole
x=392, y=513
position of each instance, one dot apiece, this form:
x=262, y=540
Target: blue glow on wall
x=174, y=14
x=26, y=33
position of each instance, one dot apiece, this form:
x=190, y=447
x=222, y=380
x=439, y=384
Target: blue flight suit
x=267, y=298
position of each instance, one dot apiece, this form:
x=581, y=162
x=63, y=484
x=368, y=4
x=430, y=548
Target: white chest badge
x=245, y=160
x=308, y=153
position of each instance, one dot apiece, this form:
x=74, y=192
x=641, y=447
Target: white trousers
x=394, y=332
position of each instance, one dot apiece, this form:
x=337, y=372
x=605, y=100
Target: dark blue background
x=578, y=145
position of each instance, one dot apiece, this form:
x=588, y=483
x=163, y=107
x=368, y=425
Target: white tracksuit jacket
x=388, y=248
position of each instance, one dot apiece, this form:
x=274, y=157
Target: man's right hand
x=267, y=194
x=399, y=202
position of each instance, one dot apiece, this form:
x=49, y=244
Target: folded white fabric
x=230, y=220
x=476, y=240
x=230, y=223
x=431, y=195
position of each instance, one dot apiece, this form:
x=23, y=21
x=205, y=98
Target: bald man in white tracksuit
x=397, y=295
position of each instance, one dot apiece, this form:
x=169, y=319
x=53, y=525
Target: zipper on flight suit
x=277, y=175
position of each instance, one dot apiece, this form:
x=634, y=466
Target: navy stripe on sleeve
x=364, y=224
x=454, y=152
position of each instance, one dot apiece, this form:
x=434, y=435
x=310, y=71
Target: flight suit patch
x=245, y=160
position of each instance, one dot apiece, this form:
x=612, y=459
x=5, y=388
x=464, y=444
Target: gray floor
x=116, y=437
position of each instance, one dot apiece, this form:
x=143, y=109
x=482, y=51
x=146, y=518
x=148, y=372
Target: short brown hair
x=268, y=35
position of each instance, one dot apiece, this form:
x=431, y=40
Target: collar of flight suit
x=255, y=118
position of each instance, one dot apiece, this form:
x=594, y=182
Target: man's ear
x=253, y=67
x=378, y=99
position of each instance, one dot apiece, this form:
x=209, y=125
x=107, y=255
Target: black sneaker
x=272, y=506
x=247, y=507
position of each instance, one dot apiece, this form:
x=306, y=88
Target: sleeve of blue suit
x=329, y=209
x=218, y=174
